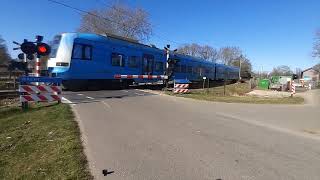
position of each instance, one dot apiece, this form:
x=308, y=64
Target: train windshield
x=54, y=46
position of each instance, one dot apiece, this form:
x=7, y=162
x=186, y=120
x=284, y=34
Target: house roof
x=310, y=69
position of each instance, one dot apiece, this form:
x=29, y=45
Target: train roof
x=132, y=42
x=115, y=38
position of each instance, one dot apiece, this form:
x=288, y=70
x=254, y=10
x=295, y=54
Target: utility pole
x=225, y=83
x=240, y=66
x=204, y=80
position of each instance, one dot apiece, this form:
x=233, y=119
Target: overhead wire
x=157, y=35
x=107, y=19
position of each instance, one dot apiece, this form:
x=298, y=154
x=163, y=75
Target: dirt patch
x=311, y=131
x=273, y=94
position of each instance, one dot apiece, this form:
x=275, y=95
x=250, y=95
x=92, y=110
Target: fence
x=8, y=80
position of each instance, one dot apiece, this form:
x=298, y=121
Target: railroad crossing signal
x=21, y=56
x=172, y=64
x=30, y=48
x=173, y=61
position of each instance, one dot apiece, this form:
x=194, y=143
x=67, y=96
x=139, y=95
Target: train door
x=147, y=64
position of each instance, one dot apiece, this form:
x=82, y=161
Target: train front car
x=60, y=56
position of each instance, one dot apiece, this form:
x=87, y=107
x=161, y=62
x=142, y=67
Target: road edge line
x=84, y=142
x=271, y=127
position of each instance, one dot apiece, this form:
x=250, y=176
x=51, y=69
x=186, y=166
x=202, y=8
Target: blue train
x=91, y=60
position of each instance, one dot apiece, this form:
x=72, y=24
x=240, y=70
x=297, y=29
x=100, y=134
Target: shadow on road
x=98, y=96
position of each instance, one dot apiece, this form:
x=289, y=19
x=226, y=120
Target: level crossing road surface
x=142, y=135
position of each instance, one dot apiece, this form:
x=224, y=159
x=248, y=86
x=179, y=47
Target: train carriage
x=88, y=60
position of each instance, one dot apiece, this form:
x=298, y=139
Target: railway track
x=8, y=94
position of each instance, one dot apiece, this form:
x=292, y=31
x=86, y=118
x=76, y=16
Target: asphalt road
x=140, y=135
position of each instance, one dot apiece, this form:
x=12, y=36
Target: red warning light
x=42, y=49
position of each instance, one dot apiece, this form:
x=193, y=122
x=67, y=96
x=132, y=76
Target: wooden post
x=203, y=83
x=224, y=83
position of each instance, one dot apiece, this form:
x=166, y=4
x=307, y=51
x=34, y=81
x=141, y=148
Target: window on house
x=117, y=59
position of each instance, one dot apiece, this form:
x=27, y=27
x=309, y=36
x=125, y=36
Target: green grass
x=235, y=93
x=245, y=99
x=231, y=89
x=41, y=143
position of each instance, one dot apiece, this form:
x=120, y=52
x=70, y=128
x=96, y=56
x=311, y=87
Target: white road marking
x=124, y=90
x=80, y=94
x=269, y=126
x=139, y=94
x=89, y=97
x=65, y=100
x=106, y=104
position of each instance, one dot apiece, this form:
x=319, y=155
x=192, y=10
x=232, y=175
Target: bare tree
x=317, y=67
x=282, y=70
x=189, y=49
x=205, y=52
x=120, y=20
x=262, y=75
x=209, y=53
x=4, y=56
x=316, y=45
x=298, y=72
x=228, y=54
x=246, y=66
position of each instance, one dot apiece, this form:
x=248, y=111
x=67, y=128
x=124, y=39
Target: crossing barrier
x=121, y=76
x=40, y=93
x=181, y=86
x=49, y=89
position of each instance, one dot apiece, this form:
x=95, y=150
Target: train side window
x=200, y=71
x=87, y=52
x=82, y=51
x=117, y=59
x=77, y=51
x=177, y=68
x=159, y=67
x=183, y=68
x=189, y=69
x=133, y=61
x=212, y=70
x=207, y=70
x=195, y=70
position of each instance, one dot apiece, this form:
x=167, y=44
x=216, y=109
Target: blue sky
x=270, y=32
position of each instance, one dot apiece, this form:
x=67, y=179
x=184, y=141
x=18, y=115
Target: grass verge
x=231, y=89
x=41, y=143
x=245, y=99
x=235, y=93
